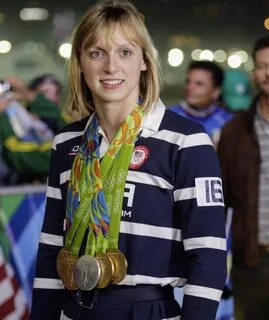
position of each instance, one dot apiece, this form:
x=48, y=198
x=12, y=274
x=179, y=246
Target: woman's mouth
x=111, y=82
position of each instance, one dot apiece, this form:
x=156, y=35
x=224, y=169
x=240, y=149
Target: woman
x=134, y=201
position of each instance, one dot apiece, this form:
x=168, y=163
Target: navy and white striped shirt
x=172, y=229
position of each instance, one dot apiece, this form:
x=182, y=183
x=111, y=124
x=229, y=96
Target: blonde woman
x=134, y=200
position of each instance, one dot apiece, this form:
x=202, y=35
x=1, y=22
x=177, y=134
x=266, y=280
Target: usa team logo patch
x=209, y=192
x=139, y=156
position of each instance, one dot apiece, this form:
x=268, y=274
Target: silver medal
x=87, y=272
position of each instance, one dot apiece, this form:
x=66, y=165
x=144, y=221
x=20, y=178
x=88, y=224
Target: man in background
x=202, y=91
x=244, y=155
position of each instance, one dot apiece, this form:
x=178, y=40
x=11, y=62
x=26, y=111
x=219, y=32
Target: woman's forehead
x=114, y=34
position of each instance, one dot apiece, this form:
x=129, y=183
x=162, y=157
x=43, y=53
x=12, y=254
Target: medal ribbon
x=96, y=188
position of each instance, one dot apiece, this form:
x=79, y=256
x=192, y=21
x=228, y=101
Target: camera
x=5, y=88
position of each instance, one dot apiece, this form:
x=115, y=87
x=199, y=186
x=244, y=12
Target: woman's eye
x=125, y=53
x=96, y=54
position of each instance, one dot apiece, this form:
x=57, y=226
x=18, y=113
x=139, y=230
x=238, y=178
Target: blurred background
x=35, y=35
x=35, y=40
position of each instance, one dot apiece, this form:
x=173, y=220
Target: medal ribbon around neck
x=96, y=188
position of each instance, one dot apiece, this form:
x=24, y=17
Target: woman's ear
x=143, y=66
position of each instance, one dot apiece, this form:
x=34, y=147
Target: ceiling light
x=175, y=57
x=65, y=50
x=34, y=14
x=207, y=55
x=5, y=46
x=234, y=61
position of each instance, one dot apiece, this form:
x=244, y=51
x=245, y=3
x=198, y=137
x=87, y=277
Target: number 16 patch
x=209, y=192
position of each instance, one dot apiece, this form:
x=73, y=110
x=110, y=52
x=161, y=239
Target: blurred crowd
x=30, y=116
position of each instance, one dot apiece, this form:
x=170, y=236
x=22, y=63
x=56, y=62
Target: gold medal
x=65, y=264
x=120, y=265
x=107, y=268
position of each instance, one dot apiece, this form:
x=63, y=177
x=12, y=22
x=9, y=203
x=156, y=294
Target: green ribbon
x=108, y=176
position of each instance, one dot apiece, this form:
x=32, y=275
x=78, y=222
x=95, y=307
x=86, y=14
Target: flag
x=21, y=217
x=13, y=305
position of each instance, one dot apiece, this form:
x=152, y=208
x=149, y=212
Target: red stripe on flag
x=3, y=273
x=15, y=284
x=26, y=315
x=8, y=307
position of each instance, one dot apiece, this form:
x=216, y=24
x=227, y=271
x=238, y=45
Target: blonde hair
x=106, y=15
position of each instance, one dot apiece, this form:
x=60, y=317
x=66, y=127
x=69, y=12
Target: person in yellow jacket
x=25, y=144
x=42, y=97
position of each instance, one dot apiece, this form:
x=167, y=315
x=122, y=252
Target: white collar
x=151, y=120
x=154, y=116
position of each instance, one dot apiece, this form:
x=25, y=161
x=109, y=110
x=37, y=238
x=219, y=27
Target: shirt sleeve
x=199, y=201
x=48, y=288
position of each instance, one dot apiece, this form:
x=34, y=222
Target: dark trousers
x=251, y=291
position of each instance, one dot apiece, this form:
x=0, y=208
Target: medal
x=91, y=272
x=107, y=269
x=64, y=264
x=120, y=265
x=87, y=272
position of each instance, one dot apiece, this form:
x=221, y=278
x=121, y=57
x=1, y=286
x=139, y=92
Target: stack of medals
x=88, y=272
x=103, y=263
x=101, y=270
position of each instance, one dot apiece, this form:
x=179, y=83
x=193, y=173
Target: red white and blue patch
x=139, y=156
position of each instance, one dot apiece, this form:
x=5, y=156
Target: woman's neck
x=110, y=118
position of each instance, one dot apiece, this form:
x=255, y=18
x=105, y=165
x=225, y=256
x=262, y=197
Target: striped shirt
x=262, y=131
x=172, y=230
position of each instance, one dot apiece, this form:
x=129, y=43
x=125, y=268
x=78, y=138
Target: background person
x=49, y=87
x=42, y=97
x=25, y=144
x=244, y=155
x=202, y=92
x=166, y=190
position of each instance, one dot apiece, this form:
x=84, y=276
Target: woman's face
x=112, y=68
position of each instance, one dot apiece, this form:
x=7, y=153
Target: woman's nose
x=111, y=65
